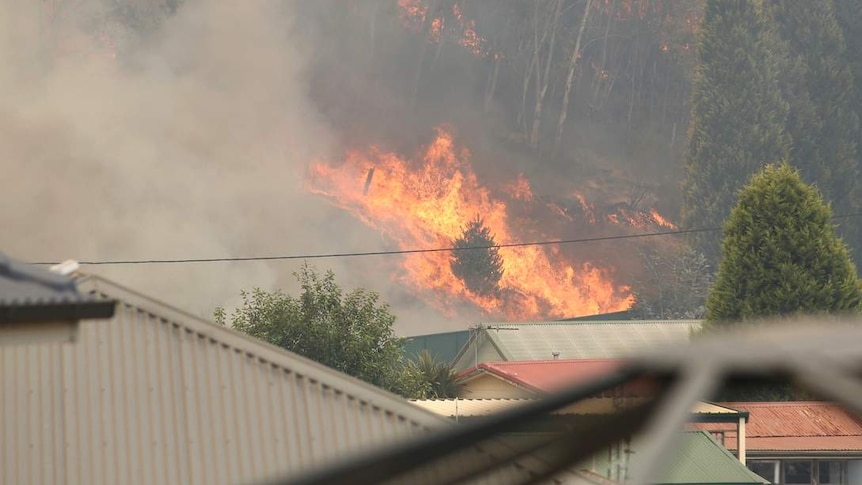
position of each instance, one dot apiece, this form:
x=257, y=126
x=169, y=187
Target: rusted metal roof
x=793, y=426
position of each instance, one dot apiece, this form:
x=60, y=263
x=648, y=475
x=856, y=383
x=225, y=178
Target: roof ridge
x=552, y=361
x=782, y=403
x=804, y=435
x=264, y=351
x=490, y=325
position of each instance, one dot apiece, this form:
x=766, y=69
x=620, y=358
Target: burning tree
x=477, y=262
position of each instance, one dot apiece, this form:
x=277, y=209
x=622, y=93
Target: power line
x=404, y=251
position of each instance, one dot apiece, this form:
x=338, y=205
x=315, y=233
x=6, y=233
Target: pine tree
x=780, y=254
x=480, y=269
x=818, y=85
x=738, y=114
x=849, y=15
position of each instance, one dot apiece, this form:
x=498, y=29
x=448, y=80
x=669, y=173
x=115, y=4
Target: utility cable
x=405, y=251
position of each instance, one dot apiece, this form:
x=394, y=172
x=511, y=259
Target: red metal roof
x=544, y=376
x=793, y=426
x=549, y=375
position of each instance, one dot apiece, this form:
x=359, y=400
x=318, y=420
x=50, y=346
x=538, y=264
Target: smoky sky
x=170, y=135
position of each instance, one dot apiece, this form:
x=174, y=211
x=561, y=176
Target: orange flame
x=520, y=189
x=660, y=220
x=587, y=208
x=426, y=203
x=413, y=10
x=414, y=13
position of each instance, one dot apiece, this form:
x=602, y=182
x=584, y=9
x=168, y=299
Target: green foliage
x=480, y=269
x=676, y=286
x=350, y=332
x=849, y=15
x=780, y=254
x=738, y=114
x=818, y=84
x=428, y=378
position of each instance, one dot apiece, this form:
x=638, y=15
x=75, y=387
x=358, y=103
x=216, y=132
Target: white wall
x=854, y=472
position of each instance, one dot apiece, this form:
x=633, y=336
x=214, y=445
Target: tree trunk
x=372, y=32
x=603, y=65
x=573, y=62
x=542, y=86
x=522, y=114
x=432, y=12
x=492, y=84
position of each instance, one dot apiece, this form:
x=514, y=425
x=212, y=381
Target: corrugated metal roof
x=805, y=443
x=577, y=339
x=31, y=294
x=699, y=459
x=485, y=407
x=441, y=346
x=794, y=426
x=800, y=418
x=155, y=395
x=550, y=375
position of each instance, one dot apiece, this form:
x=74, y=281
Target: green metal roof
x=442, y=346
x=586, y=339
x=699, y=460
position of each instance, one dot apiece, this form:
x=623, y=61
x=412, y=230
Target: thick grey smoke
x=184, y=138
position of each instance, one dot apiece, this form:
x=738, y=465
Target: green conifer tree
x=818, y=85
x=849, y=15
x=738, y=114
x=481, y=268
x=780, y=254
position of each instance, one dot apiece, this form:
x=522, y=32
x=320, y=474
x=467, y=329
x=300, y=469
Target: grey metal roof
x=586, y=339
x=30, y=294
x=157, y=395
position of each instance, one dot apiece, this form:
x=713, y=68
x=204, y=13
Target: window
x=766, y=469
x=797, y=472
x=829, y=472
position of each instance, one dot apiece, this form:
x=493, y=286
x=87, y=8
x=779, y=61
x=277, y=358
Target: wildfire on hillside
x=414, y=14
x=427, y=201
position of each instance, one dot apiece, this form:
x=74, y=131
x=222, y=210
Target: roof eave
x=52, y=312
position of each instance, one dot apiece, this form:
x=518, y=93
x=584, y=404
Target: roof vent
x=66, y=267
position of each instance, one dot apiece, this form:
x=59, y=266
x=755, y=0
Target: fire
x=520, y=189
x=414, y=14
x=413, y=10
x=660, y=220
x=426, y=203
x=587, y=208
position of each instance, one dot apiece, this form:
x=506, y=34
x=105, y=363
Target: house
x=445, y=346
x=579, y=339
x=525, y=379
x=37, y=305
x=459, y=409
x=699, y=458
x=156, y=395
x=798, y=442
x=441, y=346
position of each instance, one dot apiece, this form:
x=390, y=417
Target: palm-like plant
x=437, y=379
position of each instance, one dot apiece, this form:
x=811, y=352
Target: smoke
x=127, y=138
